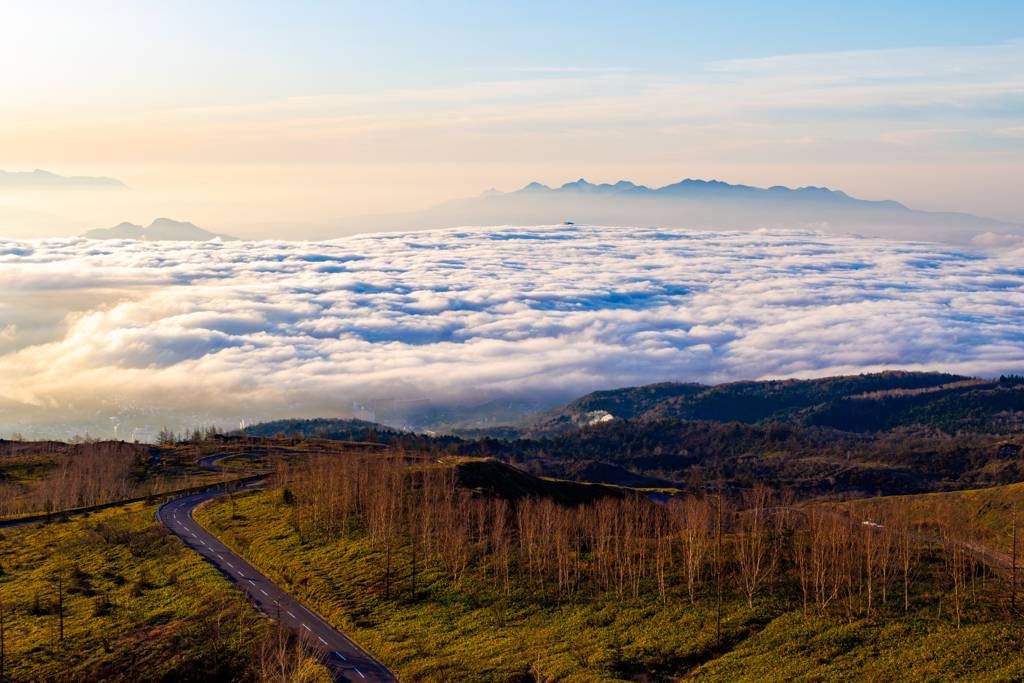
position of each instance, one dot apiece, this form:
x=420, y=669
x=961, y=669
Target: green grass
x=990, y=510
x=244, y=461
x=471, y=632
x=139, y=606
x=793, y=648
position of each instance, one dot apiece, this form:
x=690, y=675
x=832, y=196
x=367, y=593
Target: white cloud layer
x=473, y=312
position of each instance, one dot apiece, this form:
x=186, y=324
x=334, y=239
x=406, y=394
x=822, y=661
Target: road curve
x=348, y=661
x=208, y=464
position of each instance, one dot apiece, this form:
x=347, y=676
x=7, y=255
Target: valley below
x=834, y=529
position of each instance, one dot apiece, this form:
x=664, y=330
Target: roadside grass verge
x=470, y=630
x=137, y=604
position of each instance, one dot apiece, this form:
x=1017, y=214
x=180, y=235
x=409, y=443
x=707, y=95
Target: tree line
x=66, y=476
x=703, y=546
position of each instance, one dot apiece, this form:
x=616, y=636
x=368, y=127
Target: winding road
x=348, y=661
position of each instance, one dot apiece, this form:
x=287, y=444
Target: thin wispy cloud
x=868, y=122
x=886, y=92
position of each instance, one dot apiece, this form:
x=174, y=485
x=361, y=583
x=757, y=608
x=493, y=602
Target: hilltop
x=854, y=403
x=158, y=230
x=851, y=436
x=884, y=433
x=41, y=178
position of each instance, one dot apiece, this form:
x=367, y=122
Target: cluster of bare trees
x=96, y=473
x=54, y=476
x=71, y=476
x=688, y=548
x=855, y=565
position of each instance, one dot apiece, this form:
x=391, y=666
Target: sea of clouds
x=468, y=314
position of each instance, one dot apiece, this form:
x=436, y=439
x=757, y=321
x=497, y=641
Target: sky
x=203, y=331
x=260, y=118
x=232, y=114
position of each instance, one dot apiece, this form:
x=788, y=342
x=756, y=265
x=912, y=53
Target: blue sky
x=303, y=48
x=358, y=108
x=244, y=115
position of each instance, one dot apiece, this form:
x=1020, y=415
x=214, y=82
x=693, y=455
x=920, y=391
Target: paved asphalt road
x=345, y=658
x=207, y=464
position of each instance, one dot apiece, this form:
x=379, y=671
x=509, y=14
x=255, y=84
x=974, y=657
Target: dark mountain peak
x=580, y=185
x=691, y=204
x=535, y=187
x=695, y=187
x=168, y=224
x=161, y=229
x=570, y=187
x=621, y=186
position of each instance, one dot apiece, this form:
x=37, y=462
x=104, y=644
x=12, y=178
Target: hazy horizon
x=274, y=329
x=228, y=118
x=277, y=122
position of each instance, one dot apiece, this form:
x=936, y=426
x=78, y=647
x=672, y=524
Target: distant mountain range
x=158, y=230
x=690, y=205
x=41, y=178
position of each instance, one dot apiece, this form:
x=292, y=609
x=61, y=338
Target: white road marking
x=311, y=612
x=292, y=615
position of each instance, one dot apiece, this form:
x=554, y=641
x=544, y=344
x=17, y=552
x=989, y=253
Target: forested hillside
x=891, y=432
x=881, y=401
x=885, y=433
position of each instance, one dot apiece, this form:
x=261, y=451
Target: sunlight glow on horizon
x=223, y=116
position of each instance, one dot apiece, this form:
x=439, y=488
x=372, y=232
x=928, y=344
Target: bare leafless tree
x=751, y=540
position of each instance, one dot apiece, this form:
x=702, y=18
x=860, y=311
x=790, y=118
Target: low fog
x=271, y=329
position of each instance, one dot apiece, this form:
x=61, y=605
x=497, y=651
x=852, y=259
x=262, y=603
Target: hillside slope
x=856, y=403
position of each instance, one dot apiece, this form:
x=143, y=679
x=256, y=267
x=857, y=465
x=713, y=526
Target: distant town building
x=364, y=412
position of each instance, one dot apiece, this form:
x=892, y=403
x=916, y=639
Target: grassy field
x=138, y=606
x=471, y=632
x=31, y=483
x=987, y=512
